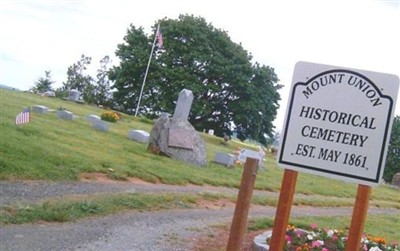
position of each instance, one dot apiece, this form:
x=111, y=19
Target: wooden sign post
x=338, y=123
x=283, y=209
x=358, y=220
x=239, y=222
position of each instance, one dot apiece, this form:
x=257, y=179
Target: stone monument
x=183, y=105
x=396, y=180
x=176, y=137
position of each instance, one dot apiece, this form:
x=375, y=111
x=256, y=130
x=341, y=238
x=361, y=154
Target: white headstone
x=183, y=104
x=211, y=132
x=244, y=153
x=139, y=136
x=74, y=95
x=92, y=118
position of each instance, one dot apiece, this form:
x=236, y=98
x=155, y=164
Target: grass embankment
x=49, y=148
x=80, y=207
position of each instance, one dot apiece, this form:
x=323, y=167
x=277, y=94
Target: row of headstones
x=143, y=136
x=97, y=123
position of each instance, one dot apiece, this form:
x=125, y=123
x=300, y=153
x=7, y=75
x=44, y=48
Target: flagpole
x=147, y=69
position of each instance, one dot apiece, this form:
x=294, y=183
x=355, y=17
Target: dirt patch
x=216, y=239
x=217, y=204
x=100, y=177
x=139, y=181
x=103, y=178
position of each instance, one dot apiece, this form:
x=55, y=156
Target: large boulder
x=177, y=138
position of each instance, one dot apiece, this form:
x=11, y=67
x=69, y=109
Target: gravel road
x=161, y=230
x=34, y=191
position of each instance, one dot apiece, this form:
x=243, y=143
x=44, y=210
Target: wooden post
x=283, y=210
x=358, y=220
x=243, y=202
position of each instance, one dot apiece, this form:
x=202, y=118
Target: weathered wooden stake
x=283, y=210
x=239, y=221
x=358, y=220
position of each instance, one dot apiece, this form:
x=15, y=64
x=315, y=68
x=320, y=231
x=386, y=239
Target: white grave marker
x=338, y=122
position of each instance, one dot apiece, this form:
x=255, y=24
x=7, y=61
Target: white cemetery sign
x=338, y=122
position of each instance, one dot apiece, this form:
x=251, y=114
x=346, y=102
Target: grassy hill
x=49, y=148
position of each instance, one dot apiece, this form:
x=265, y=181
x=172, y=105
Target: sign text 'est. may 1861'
x=338, y=122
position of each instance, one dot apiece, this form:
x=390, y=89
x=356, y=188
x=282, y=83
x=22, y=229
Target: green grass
x=49, y=148
x=385, y=226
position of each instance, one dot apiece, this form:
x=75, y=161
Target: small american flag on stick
x=23, y=117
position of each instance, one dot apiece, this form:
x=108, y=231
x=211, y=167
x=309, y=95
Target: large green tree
x=230, y=92
x=393, y=154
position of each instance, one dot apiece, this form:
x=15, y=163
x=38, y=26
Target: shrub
x=110, y=116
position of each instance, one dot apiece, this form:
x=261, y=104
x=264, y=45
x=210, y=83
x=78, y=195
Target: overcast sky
x=52, y=35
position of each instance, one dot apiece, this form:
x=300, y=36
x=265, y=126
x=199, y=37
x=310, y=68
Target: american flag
x=159, y=38
x=23, y=117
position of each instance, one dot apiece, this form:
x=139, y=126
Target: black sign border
x=319, y=170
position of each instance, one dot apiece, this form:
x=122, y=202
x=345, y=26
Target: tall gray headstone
x=183, y=104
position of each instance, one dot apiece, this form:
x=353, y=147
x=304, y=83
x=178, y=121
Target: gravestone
x=244, y=153
x=139, y=136
x=92, y=118
x=175, y=137
x=211, y=132
x=182, y=108
x=225, y=159
x=396, y=180
x=74, y=95
x=100, y=125
x=63, y=114
x=40, y=109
